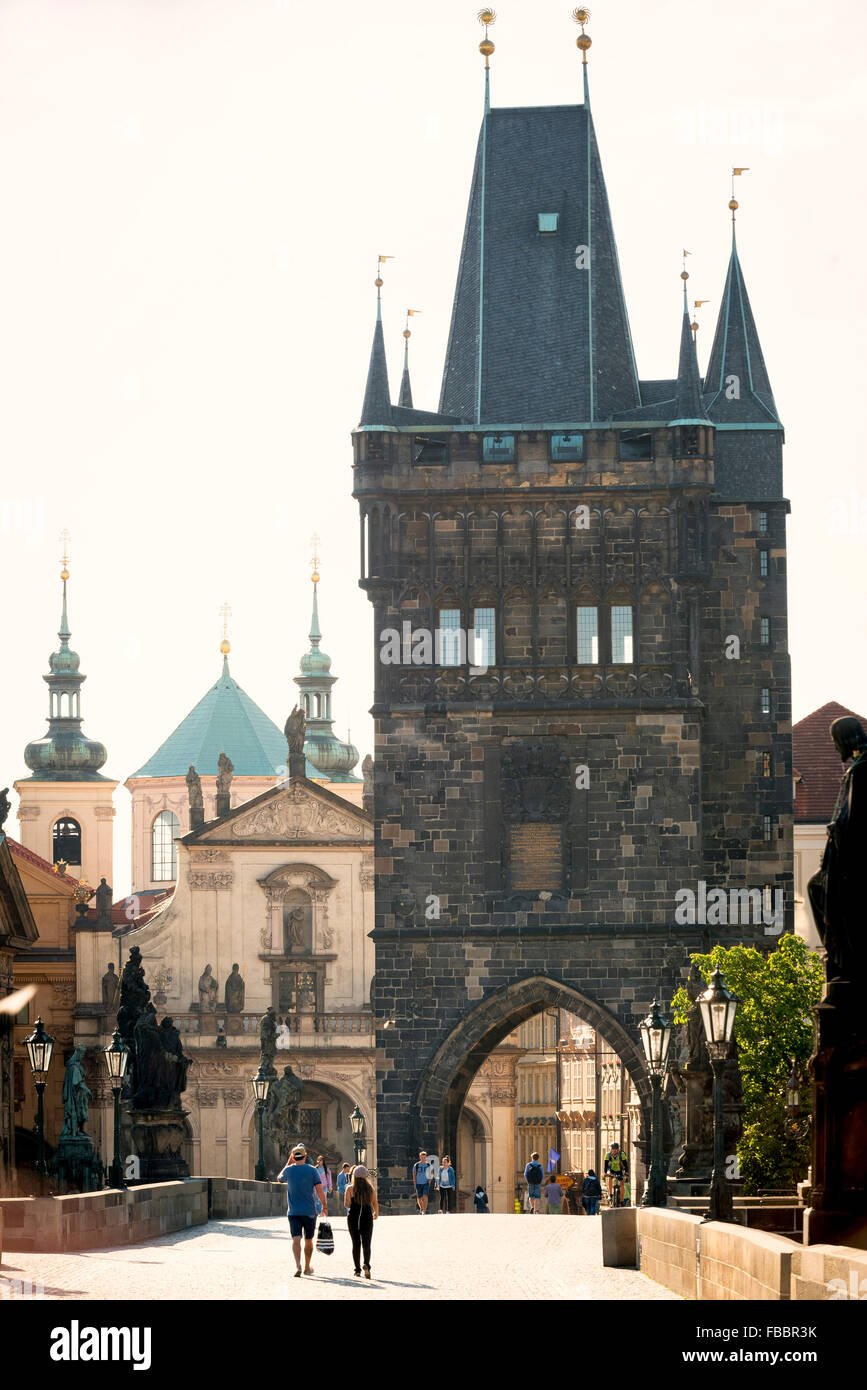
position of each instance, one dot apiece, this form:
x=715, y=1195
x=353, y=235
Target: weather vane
x=225, y=614
x=734, y=203
x=314, y=540
x=64, y=539
x=582, y=16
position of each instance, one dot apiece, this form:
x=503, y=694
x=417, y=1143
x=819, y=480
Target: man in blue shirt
x=343, y=1181
x=421, y=1176
x=303, y=1186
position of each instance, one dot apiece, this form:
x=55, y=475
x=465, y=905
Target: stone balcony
x=306, y=1029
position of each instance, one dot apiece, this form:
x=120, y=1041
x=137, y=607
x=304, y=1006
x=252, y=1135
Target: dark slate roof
x=405, y=397
x=401, y=416
x=545, y=325
x=816, y=764
x=376, y=409
x=689, y=407
x=737, y=352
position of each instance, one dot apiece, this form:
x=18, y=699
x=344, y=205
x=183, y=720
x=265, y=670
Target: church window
x=548, y=222
x=621, y=634
x=449, y=637
x=588, y=636
x=484, y=636
x=498, y=448
x=66, y=841
x=567, y=448
x=164, y=851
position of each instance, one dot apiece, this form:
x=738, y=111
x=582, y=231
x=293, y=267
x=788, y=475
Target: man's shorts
x=302, y=1226
x=534, y=1189
x=422, y=1189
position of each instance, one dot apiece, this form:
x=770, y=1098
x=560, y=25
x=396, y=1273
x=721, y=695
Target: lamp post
x=116, y=1058
x=356, y=1121
x=261, y=1084
x=718, y=1008
x=40, y=1046
x=655, y=1039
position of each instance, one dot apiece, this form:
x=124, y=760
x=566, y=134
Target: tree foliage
x=773, y=1028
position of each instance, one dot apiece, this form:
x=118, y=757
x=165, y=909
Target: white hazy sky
x=194, y=193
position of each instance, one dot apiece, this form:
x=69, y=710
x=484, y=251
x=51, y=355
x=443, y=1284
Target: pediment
x=296, y=813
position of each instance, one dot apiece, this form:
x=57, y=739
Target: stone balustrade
x=353, y=1026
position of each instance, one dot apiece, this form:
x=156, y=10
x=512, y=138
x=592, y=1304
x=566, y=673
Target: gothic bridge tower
x=618, y=734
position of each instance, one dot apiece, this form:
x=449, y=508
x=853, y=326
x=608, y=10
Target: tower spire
x=486, y=48
x=225, y=645
x=583, y=42
x=376, y=409
x=405, y=398
x=332, y=759
x=689, y=408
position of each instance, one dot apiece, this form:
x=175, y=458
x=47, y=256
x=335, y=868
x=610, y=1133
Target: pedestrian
x=363, y=1209
x=573, y=1200
x=342, y=1180
x=446, y=1185
x=324, y=1173
x=592, y=1189
x=480, y=1201
x=421, y=1181
x=303, y=1190
x=534, y=1176
x=554, y=1196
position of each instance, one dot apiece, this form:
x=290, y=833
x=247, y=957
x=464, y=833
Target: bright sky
x=194, y=195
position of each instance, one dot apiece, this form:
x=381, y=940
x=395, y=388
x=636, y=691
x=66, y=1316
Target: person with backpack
x=592, y=1189
x=480, y=1201
x=446, y=1185
x=362, y=1211
x=535, y=1176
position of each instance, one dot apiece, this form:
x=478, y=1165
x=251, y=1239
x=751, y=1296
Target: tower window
x=484, y=636
x=66, y=842
x=164, y=852
x=765, y=636
x=766, y=700
x=498, y=448
x=621, y=635
x=549, y=222
x=449, y=638
x=588, y=636
x=766, y=827
x=766, y=764
x=763, y=523
x=567, y=448
x=430, y=451
x=763, y=564
x=635, y=445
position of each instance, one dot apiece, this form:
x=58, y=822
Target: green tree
x=773, y=1027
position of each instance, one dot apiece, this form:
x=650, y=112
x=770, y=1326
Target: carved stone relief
x=205, y=880
x=294, y=814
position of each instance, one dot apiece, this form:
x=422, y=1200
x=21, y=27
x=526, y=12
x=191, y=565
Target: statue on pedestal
x=836, y=891
x=268, y=1041
x=194, y=793
x=208, y=990
x=76, y=1094
x=103, y=904
x=110, y=988
x=282, y=1118
x=235, y=991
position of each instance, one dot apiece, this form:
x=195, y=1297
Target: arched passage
x=443, y=1089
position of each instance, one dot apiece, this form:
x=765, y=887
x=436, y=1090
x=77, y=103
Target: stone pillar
x=504, y=1091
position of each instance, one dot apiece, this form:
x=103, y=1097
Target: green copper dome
x=64, y=754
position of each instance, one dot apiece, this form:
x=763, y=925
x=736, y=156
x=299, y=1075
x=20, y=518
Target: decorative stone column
x=504, y=1094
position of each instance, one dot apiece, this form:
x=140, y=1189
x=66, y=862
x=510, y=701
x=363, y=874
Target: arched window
x=66, y=841
x=164, y=853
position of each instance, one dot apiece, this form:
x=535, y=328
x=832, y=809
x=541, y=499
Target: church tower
x=332, y=760
x=66, y=808
x=582, y=691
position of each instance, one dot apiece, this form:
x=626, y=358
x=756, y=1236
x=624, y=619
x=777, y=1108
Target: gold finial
x=684, y=274
x=582, y=16
x=486, y=47
x=733, y=204
x=314, y=540
x=697, y=303
x=225, y=614
x=409, y=314
x=65, y=538
x=380, y=260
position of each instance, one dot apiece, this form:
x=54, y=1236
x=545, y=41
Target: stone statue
x=176, y=1072
x=295, y=729
x=5, y=806
x=367, y=774
x=306, y=993
x=208, y=990
x=836, y=891
x=110, y=988
x=224, y=774
x=282, y=1118
x=161, y=1067
x=75, y=1096
x=294, y=929
x=284, y=1037
x=134, y=997
x=235, y=992
x=103, y=904
x=194, y=790
x=268, y=1040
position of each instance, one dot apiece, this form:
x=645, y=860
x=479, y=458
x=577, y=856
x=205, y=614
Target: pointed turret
x=737, y=387
x=405, y=398
x=330, y=758
x=376, y=409
x=689, y=407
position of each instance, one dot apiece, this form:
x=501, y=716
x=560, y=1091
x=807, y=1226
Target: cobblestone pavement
x=504, y=1257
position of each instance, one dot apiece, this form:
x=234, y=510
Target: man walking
x=421, y=1181
x=303, y=1187
x=554, y=1196
x=534, y=1175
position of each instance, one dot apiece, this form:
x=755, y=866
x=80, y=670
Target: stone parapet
x=88, y=1221
x=240, y=1198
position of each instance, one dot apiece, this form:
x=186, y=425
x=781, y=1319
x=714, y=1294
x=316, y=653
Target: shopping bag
x=325, y=1238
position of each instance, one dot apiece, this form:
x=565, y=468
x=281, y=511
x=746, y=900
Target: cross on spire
x=225, y=613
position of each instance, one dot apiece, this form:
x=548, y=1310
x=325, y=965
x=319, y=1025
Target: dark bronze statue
x=5, y=806
x=76, y=1094
x=110, y=988
x=235, y=990
x=103, y=904
x=268, y=1041
x=295, y=729
x=282, y=1118
x=836, y=891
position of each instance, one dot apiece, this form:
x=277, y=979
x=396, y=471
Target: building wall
x=42, y=804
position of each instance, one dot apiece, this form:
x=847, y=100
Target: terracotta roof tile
x=816, y=765
x=31, y=857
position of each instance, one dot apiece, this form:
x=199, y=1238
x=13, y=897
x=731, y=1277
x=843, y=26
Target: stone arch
x=443, y=1089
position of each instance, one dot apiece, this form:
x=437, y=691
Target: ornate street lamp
x=718, y=1008
x=261, y=1084
x=356, y=1121
x=655, y=1039
x=40, y=1046
x=116, y=1059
